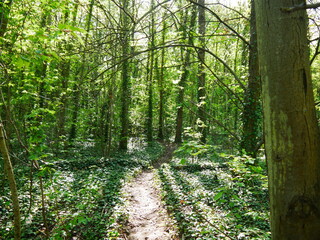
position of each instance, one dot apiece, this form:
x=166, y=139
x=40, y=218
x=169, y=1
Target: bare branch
x=124, y=10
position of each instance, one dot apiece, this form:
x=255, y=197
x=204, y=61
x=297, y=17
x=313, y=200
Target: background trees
x=94, y=62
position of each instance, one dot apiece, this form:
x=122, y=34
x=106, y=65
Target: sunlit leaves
x=225, y=199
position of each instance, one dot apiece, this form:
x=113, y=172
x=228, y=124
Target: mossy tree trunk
x=291, y=130
x=125, y=75
x=185, y=72
x=252, y=113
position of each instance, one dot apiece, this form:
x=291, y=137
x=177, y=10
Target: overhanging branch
x=129, y=56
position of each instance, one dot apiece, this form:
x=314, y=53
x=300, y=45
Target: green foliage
x=192, y=148
x=222, y=199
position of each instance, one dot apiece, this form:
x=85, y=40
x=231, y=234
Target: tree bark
x=291, y=130
x=109, y=120
x=8, y=169
x=65, y=68
x=65, y=74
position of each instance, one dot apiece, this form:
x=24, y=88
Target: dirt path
x=148, y=218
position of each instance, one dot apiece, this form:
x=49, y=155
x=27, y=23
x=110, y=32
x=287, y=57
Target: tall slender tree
x=201, y=72
x=125, y=74
x=12, y=183
x=252, y=112
x=150, y=75
x=187, y=34
x=160, y=76
x=5, y=8
x=81, y=73
x=8, y=169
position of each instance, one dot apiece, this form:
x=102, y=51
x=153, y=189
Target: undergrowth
x=217, y=196
x=82, y=194
x=208, y=195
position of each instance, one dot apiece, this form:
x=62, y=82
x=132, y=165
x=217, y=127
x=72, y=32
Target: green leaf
x=218, y=196
x=236, y=197
x=21, y=63
x=62, y=26
x=183, y=161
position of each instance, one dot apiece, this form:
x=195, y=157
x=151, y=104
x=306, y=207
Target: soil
x=148, y=218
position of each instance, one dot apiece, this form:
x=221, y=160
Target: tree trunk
x=201, y=73
x=251, y=116
x=125, y=77
x=4, y=15
x=41, y=68
x=150, y=77
x=150, y=99
x=5, y=7
x=81, y=74
x=12, y=184
x=65, y=67
x=74, y=117
x=8, y=170
x=109, y=119
x=184, y=75
x=291, y=130
x=160, y=77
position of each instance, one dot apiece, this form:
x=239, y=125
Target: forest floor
x=148, y=218
x=151, y=192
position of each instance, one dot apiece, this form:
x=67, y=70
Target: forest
x=159, y=119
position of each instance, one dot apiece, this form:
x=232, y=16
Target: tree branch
x=223, y=22
x=317, y=52
x=302, y=6
x=212, y=119
x=236, y=11
x=175, y=46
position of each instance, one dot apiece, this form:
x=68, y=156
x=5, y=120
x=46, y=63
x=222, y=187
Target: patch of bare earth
x=148, y=218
